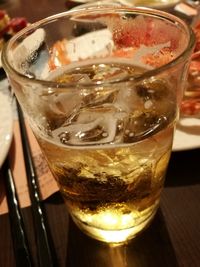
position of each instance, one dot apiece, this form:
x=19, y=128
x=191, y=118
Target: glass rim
x=135, y=10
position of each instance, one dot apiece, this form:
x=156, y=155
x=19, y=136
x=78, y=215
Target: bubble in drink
x=108, y=147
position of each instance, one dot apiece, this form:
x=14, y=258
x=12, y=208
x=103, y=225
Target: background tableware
x=6, y=126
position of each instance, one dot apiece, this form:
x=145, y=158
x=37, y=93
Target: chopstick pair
x=20, y=243
x=46, y=255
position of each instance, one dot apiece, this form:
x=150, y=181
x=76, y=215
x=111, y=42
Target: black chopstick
x=20, y=243
x=46, y=254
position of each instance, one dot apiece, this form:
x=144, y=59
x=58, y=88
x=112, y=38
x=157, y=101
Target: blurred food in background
x=191, y=101
x=9, y=26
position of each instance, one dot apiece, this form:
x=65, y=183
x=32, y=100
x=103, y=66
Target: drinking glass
x=101, y=88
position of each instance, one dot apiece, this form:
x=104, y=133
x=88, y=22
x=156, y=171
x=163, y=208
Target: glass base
x=114, y=236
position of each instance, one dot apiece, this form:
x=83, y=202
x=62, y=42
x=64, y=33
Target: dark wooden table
x=173, y=239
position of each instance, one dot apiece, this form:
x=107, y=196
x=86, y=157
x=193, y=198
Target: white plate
x=162, y=4
x=6, y=126
x=88, y=4
x=187, y=135
x=159, y=4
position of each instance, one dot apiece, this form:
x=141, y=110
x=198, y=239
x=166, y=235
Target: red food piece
x=190, y=107
x=144, y=31
x=17, y=24
x=124, y=39
x=2, y=13
x=197, y=34
x=58, y=55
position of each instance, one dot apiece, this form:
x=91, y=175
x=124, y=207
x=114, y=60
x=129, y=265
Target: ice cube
x=27, y=49
x=89, y=128
x=146, y=124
